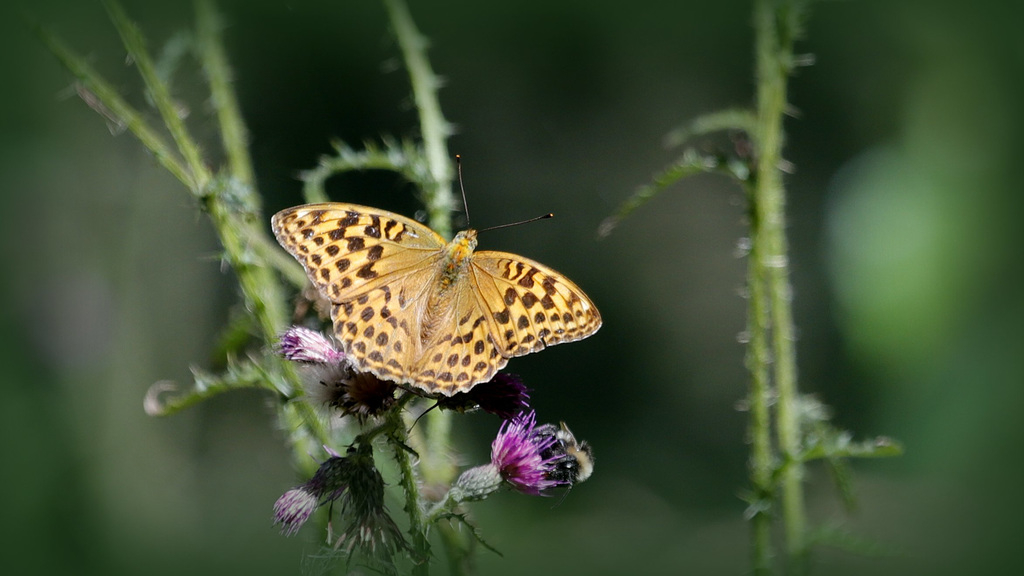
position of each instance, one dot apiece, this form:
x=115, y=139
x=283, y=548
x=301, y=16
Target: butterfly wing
x=461, y=351
x=380, y=331
x=503, y=306
x=530, y=306
x=376, y=268
x=348, y=249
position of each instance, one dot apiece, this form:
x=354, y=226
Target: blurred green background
x=905, y=267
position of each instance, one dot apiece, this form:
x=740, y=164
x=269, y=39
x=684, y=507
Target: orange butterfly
x=410, y=307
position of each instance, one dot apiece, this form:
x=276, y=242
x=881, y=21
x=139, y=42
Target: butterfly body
x=410, y=307
x=459, y=250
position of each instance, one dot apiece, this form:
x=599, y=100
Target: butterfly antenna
x=422, y=414
x=465, y=205
x=541, y=217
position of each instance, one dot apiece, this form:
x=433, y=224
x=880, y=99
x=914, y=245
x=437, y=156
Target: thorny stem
x=136, y=46
x=775, y=27
x=435, y=466
x=235, y=213
x=435, y=131
x=230, y=200
x=417, y=526
x=218, y=74
x=761, y=454
x=433, y=127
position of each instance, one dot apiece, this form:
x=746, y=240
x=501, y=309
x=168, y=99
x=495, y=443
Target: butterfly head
x=460, y=248
x=464, y=242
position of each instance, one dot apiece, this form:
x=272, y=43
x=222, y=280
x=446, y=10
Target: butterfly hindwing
x=379, y=330
x=461, y=349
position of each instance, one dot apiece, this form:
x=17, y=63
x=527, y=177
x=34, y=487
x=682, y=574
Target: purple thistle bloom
x=355, y=483
x=518, y=454
x=529, y=458
x=294, y=508
x=334, y=382
x=505, y=395
x=304, y=345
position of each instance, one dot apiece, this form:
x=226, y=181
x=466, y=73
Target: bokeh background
x=904, y=215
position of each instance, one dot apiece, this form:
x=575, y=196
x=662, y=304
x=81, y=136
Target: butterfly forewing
x=533, y=306
x=347, y=250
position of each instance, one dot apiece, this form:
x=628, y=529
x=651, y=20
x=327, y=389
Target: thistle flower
x=505, y=395
x=371, y=527
x=355, y=483
x=295, y=506
x=309, y=346
x=520, y=458
x=334, y=382
x=518, y=454
x=359, y=394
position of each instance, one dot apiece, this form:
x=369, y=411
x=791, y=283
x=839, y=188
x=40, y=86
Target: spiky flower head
x=294, y=508
x=370, y=527
x=354, y=482
x=518, y=454
x=505, y=395
x=332, y=380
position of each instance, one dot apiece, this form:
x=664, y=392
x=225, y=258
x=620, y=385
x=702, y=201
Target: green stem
x=417, y=526
x=433, y=127
x=774, y=24
x=235, y=209
x=762, y=455
x=104, y=99
x=436, y=466
x=158, y=89
x=438, y=200
x=218, y=74
x=232, y=202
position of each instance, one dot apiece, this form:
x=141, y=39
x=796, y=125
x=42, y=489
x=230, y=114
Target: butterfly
x=411, y=307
